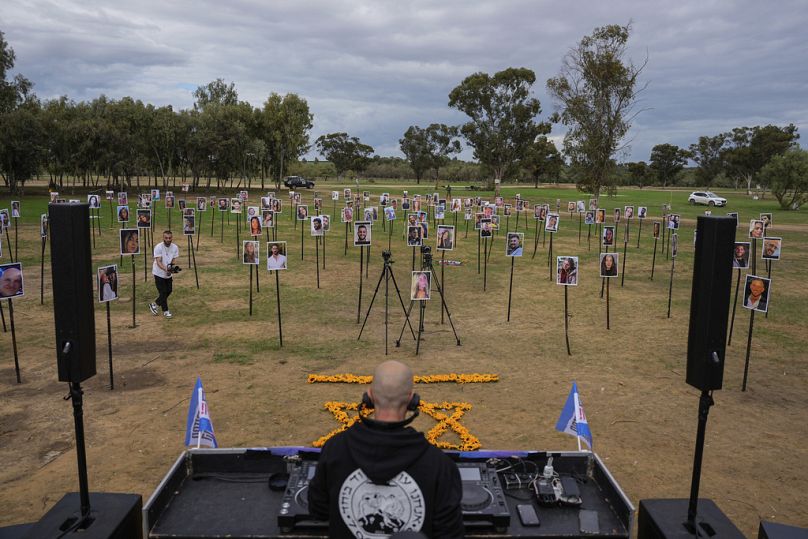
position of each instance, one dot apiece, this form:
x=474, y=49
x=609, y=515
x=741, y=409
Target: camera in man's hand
x=174, y=269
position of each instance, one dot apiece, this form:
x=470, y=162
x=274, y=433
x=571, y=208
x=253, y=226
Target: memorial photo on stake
x=608, y=235
x=123, y=198
x=223, y=204
x=109, y=195
x=235, y=205
x=756, y=293
x=130, y=241
x=656, y=229
x=628, y=211
x=551, y=225
x=642, y=211
x=390, y=213
x=276, y=255
x=673, y=221
x=767, y=220
x=485, y=228
x=362, y=233
x=183, y=204
x=189, y=224
x=255, y=226
x=144, y=218
x=771, y=248
x=347, y=215
x=446, y=237
x=421, y=285
x=740, y=257
x=567, y=270
x=249, y=252
x=414, y=236
x=107, y=283
x=123, y=214
x=169, y=202
x=581, y=206
x=316, y=225
x=609, y=264
x=600, y=216
x=43, y=226
x=92, y=200
x=201, y=204
x=302, y=212
x=756, y=229
x=589, y=218
x=514, y=243
x=11, y=282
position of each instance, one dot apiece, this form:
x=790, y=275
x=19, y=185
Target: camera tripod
x=387, y=275
x=426, y=265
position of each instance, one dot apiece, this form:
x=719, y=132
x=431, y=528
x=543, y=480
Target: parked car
x=707, y=198
x=296, y=181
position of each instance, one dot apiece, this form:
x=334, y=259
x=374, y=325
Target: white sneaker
x=167, y=314
x=153, y=308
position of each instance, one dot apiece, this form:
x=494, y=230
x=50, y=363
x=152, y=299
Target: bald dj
x=381, y=476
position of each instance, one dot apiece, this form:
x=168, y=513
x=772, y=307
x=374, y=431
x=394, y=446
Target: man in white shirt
x=165, y=254
x=275, y=260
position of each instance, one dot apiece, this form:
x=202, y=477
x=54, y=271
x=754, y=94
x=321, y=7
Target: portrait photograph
x=589, y=217
x=468, y=214
x=756, y=229
x=485, y=228
x=656, y=229
x=252, y=211
x=617, y=212
x=440, y=212
x=11, y=282
x=144, y=218
x=249, y=252
x=188, y=211
x=169, y=202
x=92, y=200
x=609, y=264
x=478, y=217
x=130, y=241
x=383, y=200
x=600, y=216
x=570, y=206
x=446, y=237
x=276, y=255
x=366, y=195
x=767, y=220
x=302, y=212
x=15, y=208
x=107, y=283
x=421, y=285
x=318, y=203
x=607, y=235
x=567, y=270
x=123, y=198
x=580, y=206
x=416, y=205
x=243, y=196
x=362, y=233
x=189, y=224
x=642, y=212
x=488, y=211
x=235, y=205
x=316, y=225
x=405, y=204
x=499, y=202
x=537, y=211
x=276, y=205
x=346, y=193
x=390, y=213
x=183, y=204
x=551, y=224
x=756, y=293
x=43, y=226
x=223, y=204
x=628, y=211
x=185, y=187
x=457, y=205
x=514, y=243
x=520, y=204
x=347, y=215
x=326, y=222
x=54, y=195
x=673, y=221
x=123, y=214
x=506, y=210
x=201, y=204
x=740, y=257
x=414, y=238
x=109, y=195
x=266, y=203
x=771, y=248
x=155, y=194
x=267, y=219
x=367, y=214
x=424, y=230
x=334, y=195
x=145, y=200
x=593, y=204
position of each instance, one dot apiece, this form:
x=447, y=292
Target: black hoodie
x=371, y=482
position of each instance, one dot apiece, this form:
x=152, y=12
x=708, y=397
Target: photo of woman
x=608, y=235
x=182, y=204
x=92, y=200
x=255, y=226
x=267, y=219
x=276, y=255
x=656, y=229
x=15, y=208
x=617, y=215
x=567, y=270
x=249, y=252
x=446, y=234
x=421, y=285
x=628, y=211
x=201, y=204
x=756, y=229
x=347, y=215
x=608, y=264
x=302, y=213
x=169, y=202
x=551, y=225
x=123, y=214
x=130, y=241
x=188, y=224
x=276, y=205
x=123, y=198
x=107, y=283
x=600, y=216
x=144, y=218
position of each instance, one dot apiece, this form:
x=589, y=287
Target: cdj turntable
x=483, y=502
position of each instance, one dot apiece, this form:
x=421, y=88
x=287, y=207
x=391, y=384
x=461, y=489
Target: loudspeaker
x=73, y=298
x=113, y=516
x=709, y=302
x=665, y=519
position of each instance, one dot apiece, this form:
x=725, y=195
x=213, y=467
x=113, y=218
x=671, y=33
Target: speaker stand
x=705, y=402
x=76, y=396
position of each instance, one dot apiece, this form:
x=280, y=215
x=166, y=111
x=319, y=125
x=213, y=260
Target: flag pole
x=199, y=418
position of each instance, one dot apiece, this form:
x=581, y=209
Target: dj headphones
x=367, y=403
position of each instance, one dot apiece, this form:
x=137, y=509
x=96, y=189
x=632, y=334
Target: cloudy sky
x=373, y=68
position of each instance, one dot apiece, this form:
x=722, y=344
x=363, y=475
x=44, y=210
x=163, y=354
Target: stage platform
x=211, y=493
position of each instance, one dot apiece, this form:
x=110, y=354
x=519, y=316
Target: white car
x=707, y=198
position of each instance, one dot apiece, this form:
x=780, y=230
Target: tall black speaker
x=73, y=298
x=709, y=302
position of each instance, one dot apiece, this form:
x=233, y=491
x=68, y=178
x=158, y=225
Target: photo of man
x=506, y=210
x=183, y=204
x=656, y=229
x=144, y=218
x=235, y=205
x=513, y=245
x=316, y=225
x=368, y=214
x=756, y=229
x=608, y=235
x=249, y=252
x=485, y=228
x=189, y=224
x=600, y=216
x=617, y=215
x=43, y=227
x=302, y=212
x=169, y=201
x=499, y=202
x=11, y=282
x=390, y=213
x=756, y=293
x=318, y=203
x=223, y=204
x=347, y=215
x=767, y=220
x=243, y=196
x=740, y=257
x=551, y=225
x=468, y=214
x=608, y=264
x=326, y=222
x=383, y=200
x=414, y=236
x=155, y=194
x=107, y=283
x=567, y=270
x=589, y=217
x=642, y=211
x=334, y=195
x=346, y=194
x=362, y=233
x=201, y=204
x=130, y=241
x=570, y=206
x=488, y=211
x=537, y=211
x=673, y=221
x=421, y=285
x=276, y=255
x=771, y=248
x=15, y=208
x=405, y=203
x=446, y=237
x=440, y=212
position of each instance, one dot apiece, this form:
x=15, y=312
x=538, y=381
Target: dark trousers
x=164, y=287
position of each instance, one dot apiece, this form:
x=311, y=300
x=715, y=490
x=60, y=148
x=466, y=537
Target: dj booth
x=261, y=493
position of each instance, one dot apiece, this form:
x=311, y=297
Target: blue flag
x=199, y=428
x=573, y=419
